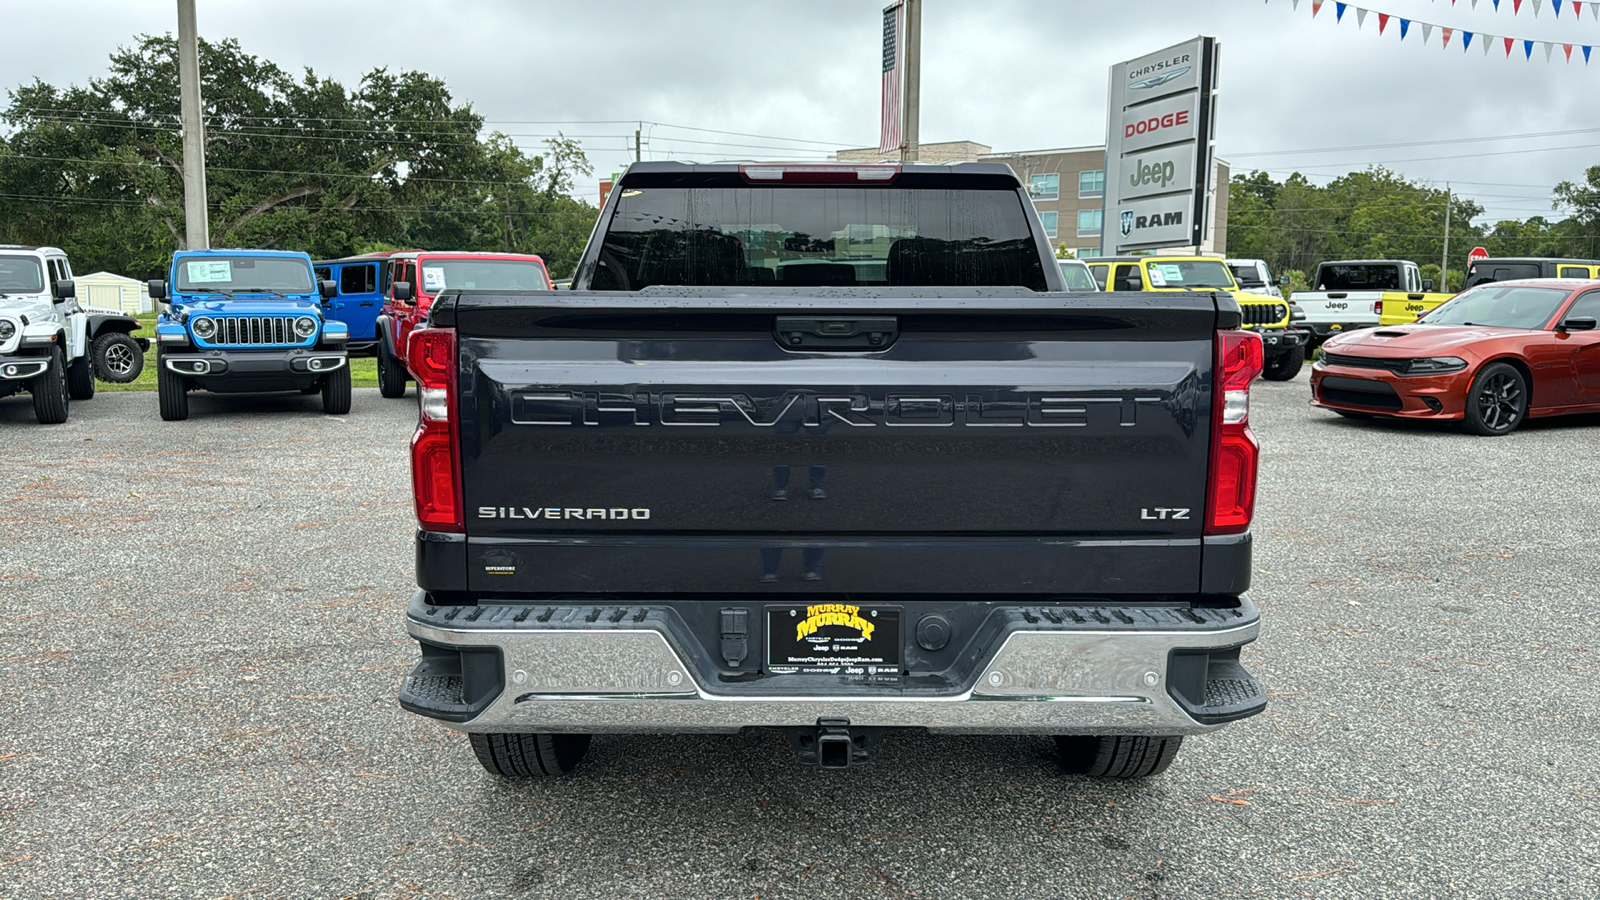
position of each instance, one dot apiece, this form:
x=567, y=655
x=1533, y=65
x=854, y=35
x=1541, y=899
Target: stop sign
x=1477, y=254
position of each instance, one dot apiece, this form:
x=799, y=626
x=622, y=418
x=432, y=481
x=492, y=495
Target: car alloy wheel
x=1498, y=400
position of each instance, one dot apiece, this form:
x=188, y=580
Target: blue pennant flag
x=1496, y=5
x=1338, y=11
x=1527, y=49
x=1556, y=5
x=1466, y=40
x=1586, y=54
x=1405, y=25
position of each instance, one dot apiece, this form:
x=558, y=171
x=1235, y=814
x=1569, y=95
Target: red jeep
x=416, y=277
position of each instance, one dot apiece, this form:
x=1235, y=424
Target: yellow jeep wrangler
x=1285, y=344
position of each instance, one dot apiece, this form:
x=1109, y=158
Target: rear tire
x=391, y=375
x=172, y=393
x=529, y=755
x=50, y=397
x=1117, y=756
x=118, y=358
x=1497, y=402
x=1285, y=366
x=80, y=378
x=336, y=391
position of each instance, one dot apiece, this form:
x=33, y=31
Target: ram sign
x=1158, y=148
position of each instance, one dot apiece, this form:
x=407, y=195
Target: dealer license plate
x=834, y=638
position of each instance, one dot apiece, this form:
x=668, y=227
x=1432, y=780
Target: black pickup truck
x=828, y=449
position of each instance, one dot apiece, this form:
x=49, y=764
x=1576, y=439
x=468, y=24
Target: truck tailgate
x=992, y=442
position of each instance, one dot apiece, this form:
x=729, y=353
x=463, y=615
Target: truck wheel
x=1497, y=402
x=80, y=378
x=50, y=396
x=529, y=755
x=117, y=358
x=1117, y=756
x=1285, y=366
x=336, y=391
x=172, y=393
x=391, y=375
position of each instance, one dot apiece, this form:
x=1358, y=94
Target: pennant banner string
x=1486, y=41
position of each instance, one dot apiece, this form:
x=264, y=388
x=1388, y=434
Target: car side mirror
x=1283, y=281
x=1577, y=323
x=402, y=291
x=328, y=289
x=158, y=289
x=1427, y=285
x=65, y=290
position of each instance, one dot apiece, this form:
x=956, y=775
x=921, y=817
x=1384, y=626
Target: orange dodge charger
x=1489, y=357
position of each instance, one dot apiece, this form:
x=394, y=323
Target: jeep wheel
x=1117, y=756
x=117, y=358
x=391, y=375
x=529, y=755
x=172, y=393
x=50, y=397
x=80, y=378
x=1497, y=402
x=1285, y=366
x=336, y=391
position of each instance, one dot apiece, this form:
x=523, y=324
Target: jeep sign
x=1158, y=149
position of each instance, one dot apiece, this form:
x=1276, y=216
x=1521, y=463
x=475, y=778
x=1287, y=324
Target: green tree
x=295, y=162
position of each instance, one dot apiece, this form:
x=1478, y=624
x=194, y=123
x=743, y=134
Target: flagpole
x=908, y=151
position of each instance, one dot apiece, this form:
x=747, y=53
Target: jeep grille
x=233, y=331
x=1264, y=313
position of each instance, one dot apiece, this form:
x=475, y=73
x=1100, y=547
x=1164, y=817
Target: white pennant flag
x=1549, y=48
x=1595, y=10
x=1296, y=5
x=1427, y=33
x=1488, y=41
x=1536, y=8
x=1361, y=18
x=1474, y=4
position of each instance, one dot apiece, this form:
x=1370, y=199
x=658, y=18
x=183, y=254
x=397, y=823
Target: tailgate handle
x=1337, y=296
x=814, y=333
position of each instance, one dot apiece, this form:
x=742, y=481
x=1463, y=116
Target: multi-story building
x=1068, y=187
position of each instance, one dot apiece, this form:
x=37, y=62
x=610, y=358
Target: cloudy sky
x=714, y=79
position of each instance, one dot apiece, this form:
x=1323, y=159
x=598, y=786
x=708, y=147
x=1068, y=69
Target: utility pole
x=908, y=153
x=636, y=154
x=196, y=219
x=1444, y=262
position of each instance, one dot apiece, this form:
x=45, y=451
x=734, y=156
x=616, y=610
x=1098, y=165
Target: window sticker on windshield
x=1156, y=278
x=209, y=271
x=432, y=278
x=1171, y=272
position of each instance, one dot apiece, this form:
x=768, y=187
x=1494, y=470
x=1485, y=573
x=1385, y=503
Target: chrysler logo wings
x=1158, y=80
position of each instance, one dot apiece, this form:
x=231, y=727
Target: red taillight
x=1377, y=307
x=435, y=469
x=1234, y=451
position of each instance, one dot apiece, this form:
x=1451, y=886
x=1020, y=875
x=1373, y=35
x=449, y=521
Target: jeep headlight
x=305, y=326
x=1435, y=365
x=204, y=327
x=8, y=330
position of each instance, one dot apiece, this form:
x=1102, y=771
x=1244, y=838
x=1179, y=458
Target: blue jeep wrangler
x=238, y=321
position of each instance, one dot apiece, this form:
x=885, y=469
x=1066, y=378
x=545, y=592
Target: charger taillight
x=435, y=470
x=1234, y=451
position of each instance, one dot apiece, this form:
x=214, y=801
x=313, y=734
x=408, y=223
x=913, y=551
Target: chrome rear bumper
x=627, y=676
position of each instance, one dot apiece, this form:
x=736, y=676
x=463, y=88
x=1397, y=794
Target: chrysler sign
x=1158, y=149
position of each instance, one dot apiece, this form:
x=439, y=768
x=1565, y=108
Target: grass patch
x=363, y=370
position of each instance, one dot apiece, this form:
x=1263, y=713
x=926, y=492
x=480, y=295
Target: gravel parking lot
x=202, y=643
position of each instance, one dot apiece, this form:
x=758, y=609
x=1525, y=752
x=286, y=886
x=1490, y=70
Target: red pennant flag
x=1509, y=42
x=1383, y=22
x=1448, y=32
x=1316, y=7
x=1516, y=7
x=1568, y=49
x=1577, y=9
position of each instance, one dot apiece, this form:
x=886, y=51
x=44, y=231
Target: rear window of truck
x=1359, y=278
x=833, y=236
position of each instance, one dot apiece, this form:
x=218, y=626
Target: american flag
x=889, y=137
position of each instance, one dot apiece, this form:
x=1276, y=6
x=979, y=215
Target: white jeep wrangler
x=44, y=333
